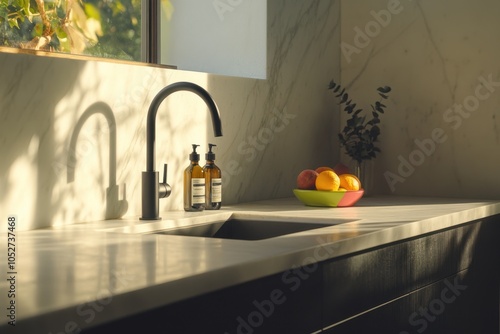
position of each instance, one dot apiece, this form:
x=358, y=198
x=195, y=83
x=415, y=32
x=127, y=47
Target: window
x=227, y=37
x=109, y=29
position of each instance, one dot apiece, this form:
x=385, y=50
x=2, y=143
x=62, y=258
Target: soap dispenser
x=194, y=184
x=213, y=181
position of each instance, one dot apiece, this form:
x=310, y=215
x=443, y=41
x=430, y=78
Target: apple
x=322, y=169
x=340, y=169
x=307, y=179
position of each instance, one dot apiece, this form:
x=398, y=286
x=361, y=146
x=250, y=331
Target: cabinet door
x=446, y=282
x=457, y=304
x=288, y=302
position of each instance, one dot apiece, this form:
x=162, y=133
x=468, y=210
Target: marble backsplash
x=72, y=132
x=440, y=135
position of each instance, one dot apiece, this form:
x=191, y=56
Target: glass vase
x=364, y=171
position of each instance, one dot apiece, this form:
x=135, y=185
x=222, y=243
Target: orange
x=349, y=182
x=328, y=180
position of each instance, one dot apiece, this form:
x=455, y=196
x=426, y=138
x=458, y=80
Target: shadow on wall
x=115, y=208
x=30, y=90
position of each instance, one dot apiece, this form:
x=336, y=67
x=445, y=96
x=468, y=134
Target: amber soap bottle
x=213, y=181
x=194, y=184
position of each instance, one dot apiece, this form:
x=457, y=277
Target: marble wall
x=72, y=132
x=440, y=135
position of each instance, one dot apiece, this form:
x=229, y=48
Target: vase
x=364, y=171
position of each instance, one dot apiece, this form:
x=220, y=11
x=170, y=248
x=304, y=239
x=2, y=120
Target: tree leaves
x=360, y=134
x=103, y=28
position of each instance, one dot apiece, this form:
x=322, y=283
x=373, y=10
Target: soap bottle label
x=216, y=190
x=198, y=191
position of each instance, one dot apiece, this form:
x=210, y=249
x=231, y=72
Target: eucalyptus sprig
x=360, y=133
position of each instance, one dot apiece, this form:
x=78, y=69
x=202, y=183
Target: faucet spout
x=152, y=189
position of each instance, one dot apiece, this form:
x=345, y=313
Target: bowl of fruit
x=330, y=187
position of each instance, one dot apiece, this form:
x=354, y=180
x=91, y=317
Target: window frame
x=150, y=31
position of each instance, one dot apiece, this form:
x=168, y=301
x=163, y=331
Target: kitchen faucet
x=152, y=189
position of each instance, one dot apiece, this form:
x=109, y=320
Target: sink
x=244, y=229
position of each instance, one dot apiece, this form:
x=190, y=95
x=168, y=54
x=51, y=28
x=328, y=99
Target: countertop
x=81, y=275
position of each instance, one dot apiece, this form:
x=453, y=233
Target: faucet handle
x=165, y=173
x=164, y=188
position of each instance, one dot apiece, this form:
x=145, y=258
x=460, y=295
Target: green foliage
x=93, y=27
x=121, y=25
x=360, y=133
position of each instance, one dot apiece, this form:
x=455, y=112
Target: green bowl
x=328, y=198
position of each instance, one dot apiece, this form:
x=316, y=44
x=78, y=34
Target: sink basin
x=244, y=229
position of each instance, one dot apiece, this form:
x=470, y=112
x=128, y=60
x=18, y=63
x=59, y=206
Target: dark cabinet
x=443, y=282
x=451, y=305
x=287, y=302
x=446, y=282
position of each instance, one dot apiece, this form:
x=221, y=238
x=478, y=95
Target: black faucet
x=152, y=189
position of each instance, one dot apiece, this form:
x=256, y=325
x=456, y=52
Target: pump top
x=194, y=156
x=210, y=156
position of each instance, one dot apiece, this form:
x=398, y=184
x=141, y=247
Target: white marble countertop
x=81, y=275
